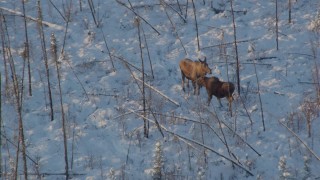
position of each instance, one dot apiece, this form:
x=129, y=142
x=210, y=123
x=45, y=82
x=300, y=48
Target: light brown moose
x=217, y=88
x=193, y=70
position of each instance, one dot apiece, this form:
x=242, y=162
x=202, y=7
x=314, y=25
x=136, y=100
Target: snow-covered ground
x=103, y=105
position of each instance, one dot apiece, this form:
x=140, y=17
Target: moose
x=217, y=88
x=193, y=70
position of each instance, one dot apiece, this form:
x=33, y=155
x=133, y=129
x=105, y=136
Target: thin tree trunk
x=19, y=110
x=202, y=139
x=27, y=52
x=55, y=7
x=316, y=78
x=92, y=9
x=5, y=65
x=80, y=4
x=175, y=30
x=91, y=5
x=18, y=103
x=55, y=59
x=108, y=49
x=289, y=6
x=187, y=4
x=146, y=130
x=258, y=85
x=54, y=52
x=149, y=57
x=15, y=174
x=235, y=46
x=0, y=126
x=195, y=19
x=277, y=27
x=179, y=7
x=132, y=10
x=45, y=58
x=168, y=5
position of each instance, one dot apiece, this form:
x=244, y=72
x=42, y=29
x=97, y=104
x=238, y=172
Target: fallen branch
x=302, y=54
x=262, y=58
x=195, y=121
x=245, y=63
x=157, y=123
x=308, y=148
x=195, y=142
x=304, y=82
x=144, y=6
x=210, y=149
x=235, y=133
x=262, y=64
x=126, y=62
x=55, y=26
x=229, y=43
x=156, y=90
x=198, y=122
x=12, y=143
x=45, y=174
x=102, y=94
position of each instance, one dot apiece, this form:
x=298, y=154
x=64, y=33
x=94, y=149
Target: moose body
x=217, y=88
x=193, y=70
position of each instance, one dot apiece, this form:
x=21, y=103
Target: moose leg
x=194, y=84
x=197, y=86
x=230, y=101
x=183, y=79
x=219, y=102
x=209, y=99
x=188, y=84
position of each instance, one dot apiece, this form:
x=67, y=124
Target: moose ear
x=205, y=59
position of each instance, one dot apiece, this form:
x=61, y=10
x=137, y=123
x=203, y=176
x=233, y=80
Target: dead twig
x=132, y=10
x=293, y=133
x=195, y=142
x=229, y=43
x=127, y=63
x=175, y=30
x=156, y=90
x=168, y=5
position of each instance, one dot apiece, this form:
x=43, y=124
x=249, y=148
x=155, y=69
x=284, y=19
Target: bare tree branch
x=156, y=90
x=293, y=133
x=132, y=10
x=197, y=143
x=55, y=26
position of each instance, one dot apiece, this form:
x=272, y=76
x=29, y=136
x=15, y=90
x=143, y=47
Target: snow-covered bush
x=315, y=24
x=283, y=169
x=306, y=169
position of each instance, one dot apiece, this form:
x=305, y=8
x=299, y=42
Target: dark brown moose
x=217, y=88
x=193, y=70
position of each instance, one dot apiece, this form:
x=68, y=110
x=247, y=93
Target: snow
x=103, y=105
